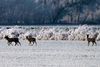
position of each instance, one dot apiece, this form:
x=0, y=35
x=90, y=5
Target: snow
x=51, y=32
x=50, y=53
x=57, y=46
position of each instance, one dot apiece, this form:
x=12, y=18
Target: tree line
x=49, y=12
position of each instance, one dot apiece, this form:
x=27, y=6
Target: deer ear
x=6, y=35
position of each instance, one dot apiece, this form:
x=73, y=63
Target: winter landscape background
x=57, y=46
x=49, y=12
x=60, y=28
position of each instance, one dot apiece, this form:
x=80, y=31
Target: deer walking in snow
x=31, y=39
x=10, y=40
x=93, y=39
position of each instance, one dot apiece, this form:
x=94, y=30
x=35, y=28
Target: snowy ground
x=50, y=54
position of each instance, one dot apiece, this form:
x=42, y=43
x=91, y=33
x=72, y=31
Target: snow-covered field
x=58, y=46
x=50, y=54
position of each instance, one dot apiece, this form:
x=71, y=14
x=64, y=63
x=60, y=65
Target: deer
x=10, y=40
x=31, y=40
x=93, y=39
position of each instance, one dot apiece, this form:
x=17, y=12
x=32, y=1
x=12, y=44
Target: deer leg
x=29, y=42
x=35, y=42
x=15, y=43
x=19, y=43
x=93, y=43
x=11, y=44
x=88, y=43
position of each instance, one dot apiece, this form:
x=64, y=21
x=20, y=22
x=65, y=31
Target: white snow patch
x=50, y=54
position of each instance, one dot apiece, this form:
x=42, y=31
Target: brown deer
x=10, y=40
x=31, y=40
x=93, y=39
